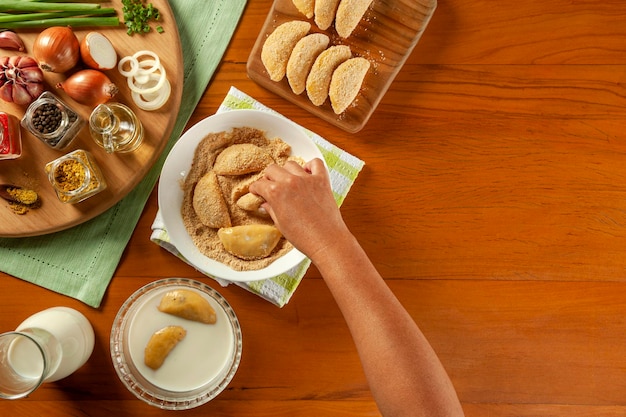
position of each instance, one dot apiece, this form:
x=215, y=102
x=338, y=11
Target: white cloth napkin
x=344, y=169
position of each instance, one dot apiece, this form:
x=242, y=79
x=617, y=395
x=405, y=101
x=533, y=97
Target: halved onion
x=97, y=51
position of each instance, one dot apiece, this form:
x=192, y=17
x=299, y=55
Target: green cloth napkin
x=80, y=262
x=343, y=169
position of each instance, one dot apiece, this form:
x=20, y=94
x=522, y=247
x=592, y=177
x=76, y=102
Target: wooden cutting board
x=385, y=36
x=122, y=172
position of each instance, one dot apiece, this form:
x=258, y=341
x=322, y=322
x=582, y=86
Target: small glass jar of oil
x=115, y=127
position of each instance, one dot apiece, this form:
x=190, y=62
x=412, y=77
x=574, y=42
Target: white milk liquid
x=27, y=359
x=67, y=328
x=202, y=357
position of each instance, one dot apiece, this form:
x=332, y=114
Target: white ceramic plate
x=177, y=167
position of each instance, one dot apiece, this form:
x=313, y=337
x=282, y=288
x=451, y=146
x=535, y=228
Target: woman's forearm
x=404, y=374
x=403, y=371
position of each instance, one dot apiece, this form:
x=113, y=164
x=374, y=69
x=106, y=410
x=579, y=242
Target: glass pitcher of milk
x=47, y=346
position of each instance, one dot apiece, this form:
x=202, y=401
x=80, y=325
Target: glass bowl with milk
x=197, y=369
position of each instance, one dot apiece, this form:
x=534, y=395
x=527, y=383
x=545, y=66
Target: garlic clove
x=6, y=92
x=21, y=95
x=11, y=40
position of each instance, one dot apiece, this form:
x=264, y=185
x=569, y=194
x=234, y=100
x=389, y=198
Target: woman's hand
x=301, y=203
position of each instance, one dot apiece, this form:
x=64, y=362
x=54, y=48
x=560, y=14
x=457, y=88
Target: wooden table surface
x=493, y=201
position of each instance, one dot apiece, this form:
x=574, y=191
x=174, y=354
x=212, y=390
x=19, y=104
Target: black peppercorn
x=47, y=118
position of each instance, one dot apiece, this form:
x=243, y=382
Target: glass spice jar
x=10, y=137
x=52, y=121
x=75, y=176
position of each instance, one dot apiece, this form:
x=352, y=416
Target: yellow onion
x=57, y=49
x=97, y=51
x=21, y=80
x=90, y=87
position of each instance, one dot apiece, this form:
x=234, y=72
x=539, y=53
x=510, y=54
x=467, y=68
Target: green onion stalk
x=27, y=14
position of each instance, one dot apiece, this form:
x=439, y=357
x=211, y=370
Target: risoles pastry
x=253, y=241
x=302, y=59
x=278, y=46
x=189, y=305
x=325, y=12
x=161, y=344
x=306, y=7
x=349, y=14
x=346, y=14
x=240, y=159
x=252, y=203
x=307, y=60
x=346, y=83
x=318, y=80
x=208, y=202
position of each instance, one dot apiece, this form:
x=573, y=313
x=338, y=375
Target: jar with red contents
x=10, y=137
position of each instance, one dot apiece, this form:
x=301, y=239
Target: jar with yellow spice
x=75, y=176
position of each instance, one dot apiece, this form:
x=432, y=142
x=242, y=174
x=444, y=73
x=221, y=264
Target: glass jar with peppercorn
x=75, y=176
x=52, y=121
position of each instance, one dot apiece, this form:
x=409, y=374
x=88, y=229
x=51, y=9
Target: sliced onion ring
x=143, y=89
x=134, y=66
x=156, y=61
x=153, y=101
x=142, y=76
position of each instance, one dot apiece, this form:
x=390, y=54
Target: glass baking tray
x=386, y=36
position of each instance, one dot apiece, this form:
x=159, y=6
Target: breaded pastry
x=318, y=81
x=252, y=241
x=208, y=202
x=161, y=344
x=302, y=58
x=188, y=305
x=346, y=83
x=279, y=150
x=325, y=13
x=240, y=159
x=243, y=186
x=250, y=202
x=251, y=135
x=278, y=46
x=216, y=141
x=306, y=7
x=349, y=14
